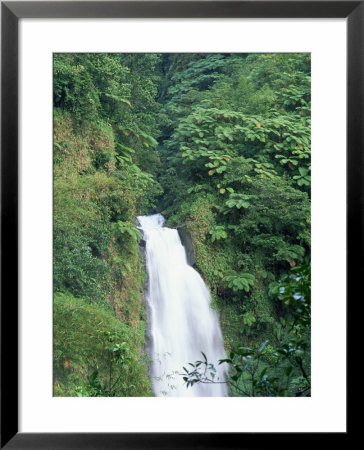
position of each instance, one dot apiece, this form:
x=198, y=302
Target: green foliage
x=303, y=179
x=95, y=354
x=240, y=282
x=249, y=319
x=239, y=201
x=105, y=160
x=218, y=232
x=235, y=147
x=129, y=229
x=73, y=86
x=220, y=143
x=294, y=291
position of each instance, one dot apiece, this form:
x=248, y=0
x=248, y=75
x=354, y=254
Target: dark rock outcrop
x=187, y=243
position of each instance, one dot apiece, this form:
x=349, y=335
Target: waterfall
x=181, y=321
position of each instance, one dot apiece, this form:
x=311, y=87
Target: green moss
x=97, y=259
x=86, y=341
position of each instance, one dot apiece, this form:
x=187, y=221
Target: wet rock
x=187, y=243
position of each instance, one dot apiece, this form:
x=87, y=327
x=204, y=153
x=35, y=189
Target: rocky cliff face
x=186, y=240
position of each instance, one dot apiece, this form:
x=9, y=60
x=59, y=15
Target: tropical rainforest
x=220, y=145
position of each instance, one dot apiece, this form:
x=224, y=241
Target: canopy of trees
x=219, y=144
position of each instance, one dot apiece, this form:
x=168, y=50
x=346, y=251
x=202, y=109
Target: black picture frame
x=11, y=12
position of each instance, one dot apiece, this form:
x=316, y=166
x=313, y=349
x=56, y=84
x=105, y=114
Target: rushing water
x=181, y=321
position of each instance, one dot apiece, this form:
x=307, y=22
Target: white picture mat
x=326, y=409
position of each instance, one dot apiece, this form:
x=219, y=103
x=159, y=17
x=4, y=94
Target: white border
x=326, y=410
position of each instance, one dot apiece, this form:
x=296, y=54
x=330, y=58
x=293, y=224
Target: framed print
x=163, y=248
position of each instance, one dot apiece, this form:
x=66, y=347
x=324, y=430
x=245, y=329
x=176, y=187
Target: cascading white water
x=181, y=322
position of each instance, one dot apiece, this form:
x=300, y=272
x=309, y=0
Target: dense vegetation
x=220, y=144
